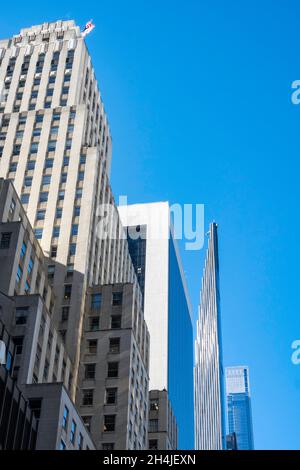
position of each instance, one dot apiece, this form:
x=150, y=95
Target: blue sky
x=198, y=98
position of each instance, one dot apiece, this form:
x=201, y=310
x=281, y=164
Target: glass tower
x=239, y=406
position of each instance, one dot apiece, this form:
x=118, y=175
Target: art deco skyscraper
x=209, y=380
x=239, y=406
x=55, y=146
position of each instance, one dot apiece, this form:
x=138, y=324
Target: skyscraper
x=55, y=146
x=167, y=309
x=239, y=406
x=208, y=373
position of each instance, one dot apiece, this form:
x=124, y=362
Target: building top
x=156, y=216
x=237, y=379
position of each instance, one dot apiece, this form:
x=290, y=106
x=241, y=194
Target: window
x=87, y=397
x=27, y=287
x=117, y=298
x=62, y=445
x=19, y=274
x=74, y=230
x=53, y=251
x=76, y=211
x=114, y=345
x=58, y=213
x=40, y=215
x=68, y=291
x=27, y=181
x=23, y=250
x=21, y=315
x=24, y=198
x=87, y=422
x=38, y=232
x=92, y=346
x=5, y=239
x=51, y=145
x=66, y=161
x=31, y=165
x=43, y=197
x=18, y=341
x=94, y=323
x=65, y=313
x=153, y=444
x=70, y=269
x=61, y=195
x=81, y=176
x=73, y=432
x=46, y=179
x=153, y=425
x=108, y=446
x=56, y=230
x=51, y=270
x=96, y=301
x=80, y=441
x=82, y=159
x=13, y=167
x=33, y=147
x=111, y=396
x=116, y=321
x=49, y=163
x=63, y=177
x=112, y=369
x=72, y=249
x=154, y=404
x=109, y=423
x=78, y=193
x=90, y=371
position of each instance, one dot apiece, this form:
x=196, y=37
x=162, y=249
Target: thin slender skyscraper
x=239, y=406
x=209, y=376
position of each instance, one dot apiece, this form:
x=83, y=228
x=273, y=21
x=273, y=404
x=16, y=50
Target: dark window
x=109, y=423
x=21, y=315
x=112, y=369
x=94, y=323
x=65, y=313
x=117, y=298
x=87, y=422
x=68, y=291
x=111, y=396
x=153, y=444
x=90, y=371
x=92, y=346
x=73, y=432
x=87, y=397
x=53, y=251
x=96, y=301
x=154, y=404
x=153, y=425
x=5, y=239
x=116, y=321
x=19, y=344
x=114, y=345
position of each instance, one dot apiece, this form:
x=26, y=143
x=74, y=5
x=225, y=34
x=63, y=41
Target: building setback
x=210, y=431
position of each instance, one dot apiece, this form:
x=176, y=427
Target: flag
x=88, y=28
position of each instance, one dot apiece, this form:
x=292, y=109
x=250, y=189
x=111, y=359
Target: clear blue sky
x=198, y=98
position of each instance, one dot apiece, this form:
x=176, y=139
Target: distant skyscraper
x=239, y=406
x=209, y=376
x=167, y=308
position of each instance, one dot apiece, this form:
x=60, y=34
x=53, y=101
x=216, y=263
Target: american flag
x=88, y=28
